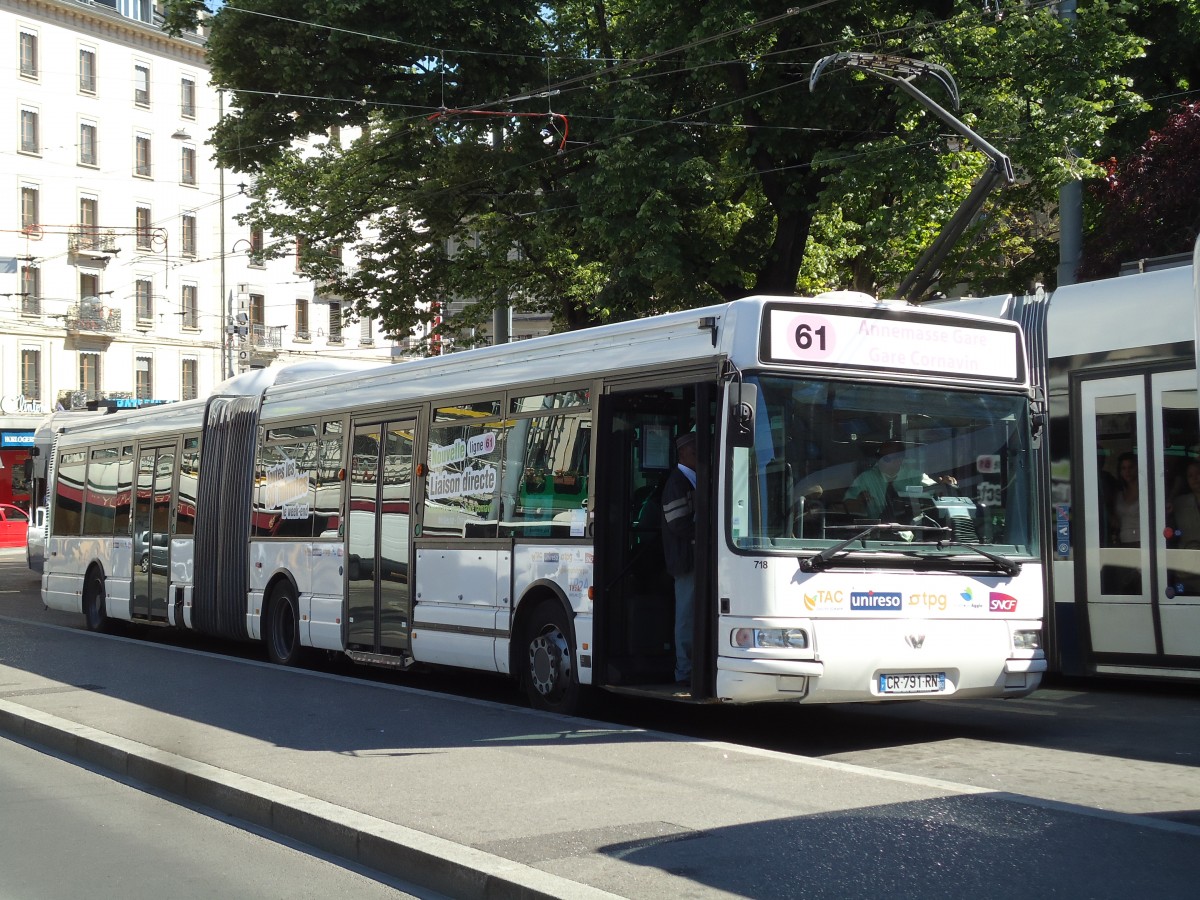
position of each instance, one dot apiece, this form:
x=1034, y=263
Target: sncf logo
x=998, y=602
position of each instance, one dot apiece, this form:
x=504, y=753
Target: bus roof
x=696, y=337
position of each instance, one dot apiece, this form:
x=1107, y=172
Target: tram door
x=152, y=529
x=1141, y=562
x=380, y=482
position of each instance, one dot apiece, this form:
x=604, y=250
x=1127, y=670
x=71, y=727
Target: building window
x=187, y=234
x=335, y=322
x=29, y=131
x=31, y=291
x=190, y=315
x=89, y=285
x=187, y=173
x=142, y=228
x=89, y=374
x=365, y=337
x=87, y=70
x=29, y=207
x=303, y=319
x=87, y=144
x=145, y=301
x=187, y=98
x=31, y=374
x=141, y=85
x=89, y=218
x=142, y=156
x=187, y=166
x=29, y=54
x=256, y=247
x=258, y=313
x=189, y=387
x=143, y=381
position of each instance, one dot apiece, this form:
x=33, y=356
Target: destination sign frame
x=886, y=340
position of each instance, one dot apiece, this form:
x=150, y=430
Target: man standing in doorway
x=679, y=546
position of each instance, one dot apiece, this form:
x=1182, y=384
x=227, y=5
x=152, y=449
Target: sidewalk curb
x=438, y=864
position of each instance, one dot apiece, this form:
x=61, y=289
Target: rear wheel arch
x=280, y=624
x=95, y=599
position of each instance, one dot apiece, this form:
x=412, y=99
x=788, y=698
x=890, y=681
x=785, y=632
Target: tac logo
x=998, y=602
x=876, y=600
x=822, y=598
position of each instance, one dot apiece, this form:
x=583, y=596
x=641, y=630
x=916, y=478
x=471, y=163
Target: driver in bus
x=884, y=491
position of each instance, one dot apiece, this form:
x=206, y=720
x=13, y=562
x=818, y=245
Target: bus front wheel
x=283, y=627
x=95, y=606
x=550, y=674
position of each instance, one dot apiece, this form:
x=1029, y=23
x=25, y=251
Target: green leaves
x=688, y=175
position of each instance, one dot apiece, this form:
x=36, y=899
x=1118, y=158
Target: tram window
x=461, y=491
x=100, y=497
x=68, y=495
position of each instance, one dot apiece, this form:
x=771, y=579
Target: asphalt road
x=1130, y=747
x=70, y=832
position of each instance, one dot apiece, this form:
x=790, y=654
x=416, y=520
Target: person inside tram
x=1126, y=503
x=884, y=491
x=1185, y=509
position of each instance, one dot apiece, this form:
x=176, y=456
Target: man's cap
x=687, y=439
x=891, y=446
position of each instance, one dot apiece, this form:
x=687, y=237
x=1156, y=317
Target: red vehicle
x=14, y=526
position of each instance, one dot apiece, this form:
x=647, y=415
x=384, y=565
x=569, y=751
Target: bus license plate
x=918, y=683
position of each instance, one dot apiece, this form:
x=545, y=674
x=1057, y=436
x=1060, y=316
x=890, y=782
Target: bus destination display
x=879, y=341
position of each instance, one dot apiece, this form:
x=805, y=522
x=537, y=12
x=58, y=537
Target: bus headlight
x=1027, y=639
x=769, y=638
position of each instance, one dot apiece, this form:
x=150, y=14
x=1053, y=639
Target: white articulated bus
x=1117, y=360
x=496, y=509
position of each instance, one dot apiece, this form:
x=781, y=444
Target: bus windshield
x=939, y=472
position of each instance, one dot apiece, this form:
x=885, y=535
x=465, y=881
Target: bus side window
x=547, y=463
x=68, y=496
x=462, y=488
x=189, y=474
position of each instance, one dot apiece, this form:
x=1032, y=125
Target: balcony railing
x=266, y=337
x=31, y=306
x=91, y=240
x=80, y=398
x=92, y=318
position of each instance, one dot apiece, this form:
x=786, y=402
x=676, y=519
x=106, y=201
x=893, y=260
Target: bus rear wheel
x=549, y=671
x=95, y=603
x=283, y=627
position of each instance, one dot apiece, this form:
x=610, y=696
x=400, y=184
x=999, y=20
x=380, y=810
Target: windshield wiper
x=1007, y=566
x=821, y=560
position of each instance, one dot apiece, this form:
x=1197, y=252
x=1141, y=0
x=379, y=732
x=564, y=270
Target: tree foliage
x=1150, y=201
x=653, y=154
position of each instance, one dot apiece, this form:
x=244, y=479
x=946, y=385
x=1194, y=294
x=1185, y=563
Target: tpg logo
x=998, y=602
x=876, y=600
